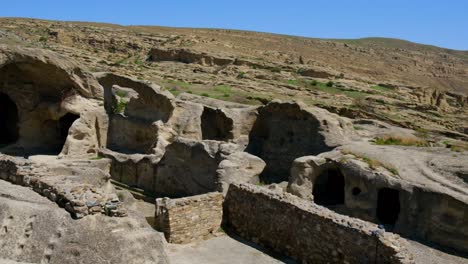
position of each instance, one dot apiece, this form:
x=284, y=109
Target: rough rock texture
x=240, y=117
x=137, y=112
x=187, y=56
x=419, y=199
x=377, y=79
x=286, y=131
x=188, y=168
x=51, y=105
x=239, y=167
x=35, y=230
x=306, y=232
x=82, y=188
x=159, y=144
x=189, y=219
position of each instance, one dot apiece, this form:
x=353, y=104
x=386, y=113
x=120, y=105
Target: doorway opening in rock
x=329, y=188
x=8, y=121
x=388, y=206
x=216, y=125
x=64, y=124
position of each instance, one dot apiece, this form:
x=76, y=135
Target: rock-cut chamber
x=8, y=120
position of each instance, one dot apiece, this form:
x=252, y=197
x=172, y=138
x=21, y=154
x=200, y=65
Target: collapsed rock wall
x=189, y=219
x=36, y=230
x=79, y=198
x=306, y=232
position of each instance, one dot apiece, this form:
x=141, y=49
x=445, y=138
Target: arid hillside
x=407, y=84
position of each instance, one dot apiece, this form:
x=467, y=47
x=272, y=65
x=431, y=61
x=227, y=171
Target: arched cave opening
x=281, y=134
x=64, y=124
x=388, y=206
x=36, y=87
x=329, y=188
x=216, y=125
x=8, y=121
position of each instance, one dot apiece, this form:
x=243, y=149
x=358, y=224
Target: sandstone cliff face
x=395, y=187
x=187, y=56
x=50, y=94
x=286, y=131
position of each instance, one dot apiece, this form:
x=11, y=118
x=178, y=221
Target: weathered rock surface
x=104, y=126
x=50, y=94
x=187, y=56
x=239, y=167
x=35, y=230
x=286, y=131
x=397, y=186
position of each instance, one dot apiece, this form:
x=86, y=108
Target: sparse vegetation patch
x=400, y=140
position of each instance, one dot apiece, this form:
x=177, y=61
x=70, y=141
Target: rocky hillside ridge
x=407, y=84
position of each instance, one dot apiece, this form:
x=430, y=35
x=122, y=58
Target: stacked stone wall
x=307, y=232
x=78, y=199
x=189, y=219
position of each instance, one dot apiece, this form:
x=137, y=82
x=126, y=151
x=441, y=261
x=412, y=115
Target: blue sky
x=438, y=22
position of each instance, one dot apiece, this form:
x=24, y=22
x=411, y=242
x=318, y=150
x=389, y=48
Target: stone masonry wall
x=307, y=232
x=79, y=200
x=189, y=219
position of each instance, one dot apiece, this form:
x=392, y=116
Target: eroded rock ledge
x=82, y=189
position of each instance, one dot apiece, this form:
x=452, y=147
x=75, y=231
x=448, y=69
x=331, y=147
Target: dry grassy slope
x=417, y=73
x=373, y=59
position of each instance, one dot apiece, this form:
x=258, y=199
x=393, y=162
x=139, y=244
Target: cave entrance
x=388, y=206
x=8, y=121
x=282, y=133
x=216, y=125
x=329, y=188
x=64, y=124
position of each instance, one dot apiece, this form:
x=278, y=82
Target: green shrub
x=400, y=140
x=241, y=75
x=97, y=157
x=120, y=107
x=329, y=84
x=139, y=62
x=121, y=93
x=275, y=69
x=314, y=82
x=226, y=89
x=373, y=163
